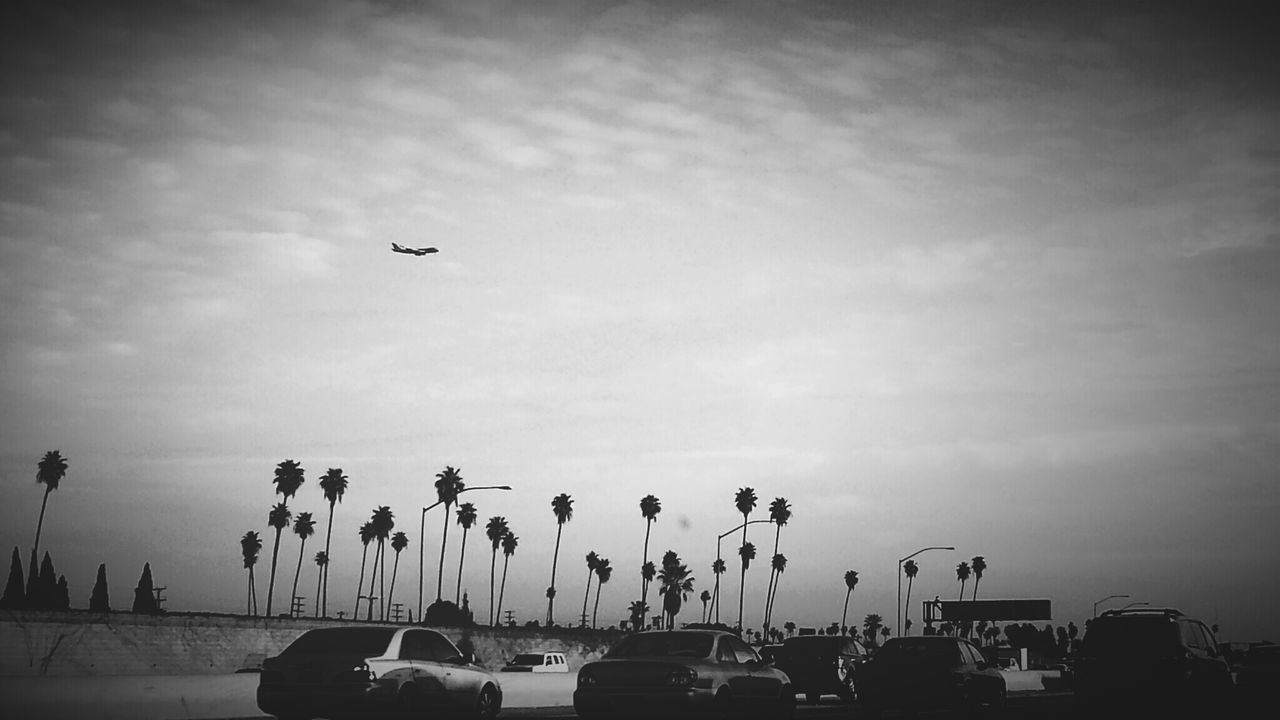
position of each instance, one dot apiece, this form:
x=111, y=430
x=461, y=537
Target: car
x=538, y=662
x=369, y=671
x=1258, y=676
x=700, y=673
x=931, y=672
x=1150, y=656
x=821, y=665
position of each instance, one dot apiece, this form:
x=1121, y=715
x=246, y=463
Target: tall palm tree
x=705, y=597
x=746, y=553
x=367, y=535
x=322, y=562
x=850, y=582
x=288, y=477
x=962, y=574
x=910, y=569
x=979, y=565
x=466, y=518
x=745, y=501
x=674, y=585
x=496, y=529
x=648, y=571
x=603, y=572
x=334, y=485
x=650, y=506
x=779, y=514
x=778, y=566
x=49, y=472
x=718, y=568
x=383, y=522
x=448, y=485
x=509, y=544
x=399, y=541
x=278, y=518
x=304, y=527
x=870, y=625
x=562, y=506
x=592, y=561
x=250, y=546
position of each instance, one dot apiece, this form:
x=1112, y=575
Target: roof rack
x=1163, y=612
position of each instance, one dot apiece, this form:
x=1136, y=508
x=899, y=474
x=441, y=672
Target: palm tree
x=278, y=518
x=603, y=572
x=367, y=535
x=648, y=571
x=509, y=543
x=334, y=485
x=705, y=597
x=49, y=472
x=650, y=506
x=779, y=514
x=466, y=518
x=592, y=561
x=962, y=574
x=496, y=530
x=638, y=611
x=383, y=521
x=885, y=633
x=746, y=553
x=675, y=584
x=289, y=476
x=250, y=545
x=718, y=568
x=304, y=527
x=979, y=565
x=322, y=562
x=870, y=625
x=399, y=541
x=562, y=506
x=778, y=566
x=745, y=501
x=910, y=568
x=790, y=627
x=851, y=582
x=448, y=485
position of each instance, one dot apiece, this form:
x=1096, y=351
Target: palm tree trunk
x=493, y=569
x=906, y=613
x=297, y=574
x=319, y=584
x=457, y=594
x=324, y=571
x=360, y=583
x=644, y=582
x=773, y=575
x=248, y=594
x=844, y=615
x=586, y=596
x=715, y=598
x=35, y=548
x=395, y=569
x=502, y=589
x=382, y=581
x=373, y=580
x=444, y=540
x=271, y=586
x=253, y=588
x=595, y=609
x=961, y=591
x=742, y=586
x=555, y=558
x=975, y=588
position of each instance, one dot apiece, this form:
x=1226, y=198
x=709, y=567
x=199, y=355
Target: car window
x=724, y=652
x=439, y=646
x=413, y=646
x=1209, y=640
x=743, y=654
x=664, y=644
x=527, y=659
x=1191, y=635
x=971, y=653
x=368, y=642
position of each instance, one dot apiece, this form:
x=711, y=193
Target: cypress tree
x=46, y=586
x=15, y=596
x=144, y=596
x=62, y=594
x=99, y=601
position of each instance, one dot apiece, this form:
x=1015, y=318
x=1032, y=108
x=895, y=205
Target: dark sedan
x=821, y=664
x=359, y=672
x=704, y=673
x=930, y=673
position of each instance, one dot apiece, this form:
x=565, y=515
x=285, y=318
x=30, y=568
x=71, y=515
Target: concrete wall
x=83, y=643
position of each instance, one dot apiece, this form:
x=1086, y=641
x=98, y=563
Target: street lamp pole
x=715, y=604
x=422, y=534
x=1109, y=597
x=898, y=630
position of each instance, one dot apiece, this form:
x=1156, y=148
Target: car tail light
x=359, y=673
x=586, y=678
x=682, y=677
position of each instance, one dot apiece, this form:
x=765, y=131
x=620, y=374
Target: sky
x=1003, y=277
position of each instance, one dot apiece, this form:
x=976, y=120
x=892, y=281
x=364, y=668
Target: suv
x=1150, y=655
x=820, y=664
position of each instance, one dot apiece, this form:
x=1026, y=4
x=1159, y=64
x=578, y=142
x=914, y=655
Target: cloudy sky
x=1003, y=277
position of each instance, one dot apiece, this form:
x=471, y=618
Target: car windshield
x=342, y=641
x=527, y=659
x=1130, y=636
x=918, y=651
x=664, y=644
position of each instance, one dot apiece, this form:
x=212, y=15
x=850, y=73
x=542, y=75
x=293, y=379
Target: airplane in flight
x=412, y=251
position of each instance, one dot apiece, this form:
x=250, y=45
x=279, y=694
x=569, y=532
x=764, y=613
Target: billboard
x=975, y=610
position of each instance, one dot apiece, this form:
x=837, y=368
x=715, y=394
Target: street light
x=898, y=630
x=422, y=534
x=715, y=604
x=1109, y=597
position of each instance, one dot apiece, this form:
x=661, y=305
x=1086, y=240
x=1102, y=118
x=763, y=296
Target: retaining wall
x=83, y=643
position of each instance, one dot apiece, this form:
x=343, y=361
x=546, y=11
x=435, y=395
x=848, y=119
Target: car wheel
x=722, y=705
x=488, y=704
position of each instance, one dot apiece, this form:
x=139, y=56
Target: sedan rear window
x=342, y=641
x=664, y=644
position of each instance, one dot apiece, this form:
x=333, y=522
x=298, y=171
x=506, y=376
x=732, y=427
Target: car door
x=760, y=680
x=459, y=681
x=427, y=673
